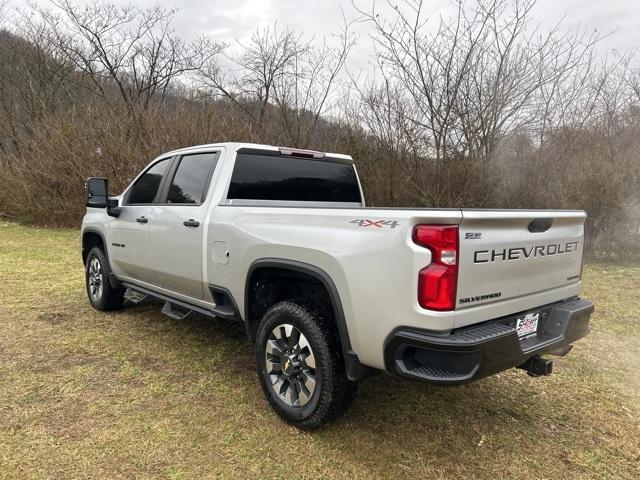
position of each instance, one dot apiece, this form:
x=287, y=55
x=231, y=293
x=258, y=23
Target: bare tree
x=3, y=9
x=34, y=83
x=129, y=49
x=381, y=109
x=634, y=78
x=302, y=92
x=474, y=78
x=280, y=76
x=251, y=79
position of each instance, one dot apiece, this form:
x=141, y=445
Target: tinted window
x=146, y=188
x=191, y=178
x=266, y=177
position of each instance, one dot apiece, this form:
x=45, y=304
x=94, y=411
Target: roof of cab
x=237, y=146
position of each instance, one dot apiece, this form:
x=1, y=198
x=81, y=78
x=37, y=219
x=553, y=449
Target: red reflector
x=437, y=283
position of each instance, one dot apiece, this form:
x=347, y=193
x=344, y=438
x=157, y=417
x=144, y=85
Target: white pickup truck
x=329, y=290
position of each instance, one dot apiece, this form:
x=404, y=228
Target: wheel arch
x=92, y=237
x=355, y=370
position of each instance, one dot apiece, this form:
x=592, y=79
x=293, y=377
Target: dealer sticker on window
x=527, y=326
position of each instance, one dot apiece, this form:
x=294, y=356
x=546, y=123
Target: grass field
x=132, y=394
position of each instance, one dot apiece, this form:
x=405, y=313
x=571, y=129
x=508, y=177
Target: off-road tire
x=109, y=298
x=334, y=392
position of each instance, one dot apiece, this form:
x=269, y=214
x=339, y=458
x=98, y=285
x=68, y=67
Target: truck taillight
x=437, y=282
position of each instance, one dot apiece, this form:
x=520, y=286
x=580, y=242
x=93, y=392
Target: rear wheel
x=102, y=295
x=300, y=365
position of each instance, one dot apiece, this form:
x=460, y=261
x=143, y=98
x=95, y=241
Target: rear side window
x=267, y=177
x=146, y=187
x=192, y=178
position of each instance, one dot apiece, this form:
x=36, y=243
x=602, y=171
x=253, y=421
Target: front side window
x=146, y=187
x=192, y=178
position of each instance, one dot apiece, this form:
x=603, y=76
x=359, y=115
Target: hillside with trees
x=482, y=109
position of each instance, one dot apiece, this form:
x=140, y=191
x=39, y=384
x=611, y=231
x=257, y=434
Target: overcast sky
x=230, y=20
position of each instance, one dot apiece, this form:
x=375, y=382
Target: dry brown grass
x=133, y=394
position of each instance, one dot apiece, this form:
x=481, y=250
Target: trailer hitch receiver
x=537, y=366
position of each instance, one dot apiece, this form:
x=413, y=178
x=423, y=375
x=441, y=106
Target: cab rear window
x=272, y=177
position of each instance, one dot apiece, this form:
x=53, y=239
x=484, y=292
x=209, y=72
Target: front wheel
x=300, y=364
x=102, y=295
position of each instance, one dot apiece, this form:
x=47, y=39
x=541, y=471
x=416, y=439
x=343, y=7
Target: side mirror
x=96, y=195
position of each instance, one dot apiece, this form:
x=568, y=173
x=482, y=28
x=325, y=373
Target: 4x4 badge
x=365, y=222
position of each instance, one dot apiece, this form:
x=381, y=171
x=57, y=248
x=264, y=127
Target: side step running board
x=224, y=311
x=135, y=296
x=171, y=312
x=177, y=309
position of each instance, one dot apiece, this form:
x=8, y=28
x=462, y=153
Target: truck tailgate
x=508, y=254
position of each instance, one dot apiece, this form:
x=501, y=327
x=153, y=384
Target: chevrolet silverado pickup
x=327, y=289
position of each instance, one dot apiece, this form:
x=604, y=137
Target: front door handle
x=191, y=223
x=142, y=219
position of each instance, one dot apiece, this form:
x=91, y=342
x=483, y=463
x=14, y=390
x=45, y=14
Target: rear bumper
x=470, y=353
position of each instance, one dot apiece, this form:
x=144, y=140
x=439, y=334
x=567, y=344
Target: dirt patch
x=53, y=318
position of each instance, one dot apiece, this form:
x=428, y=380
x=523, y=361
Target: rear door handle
x=142, y=219
x=191, y=223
